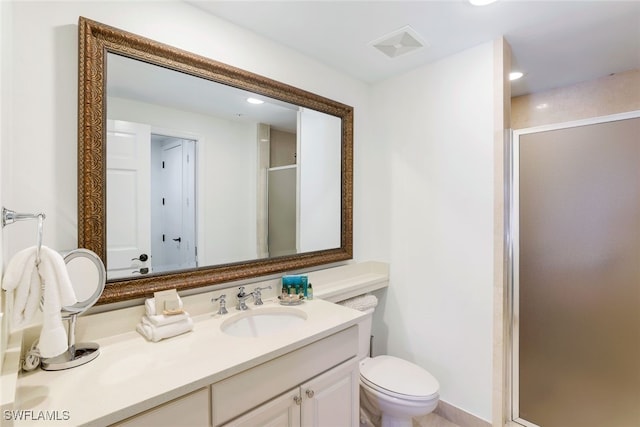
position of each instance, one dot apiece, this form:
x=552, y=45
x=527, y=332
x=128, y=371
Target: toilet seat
x=398, y=378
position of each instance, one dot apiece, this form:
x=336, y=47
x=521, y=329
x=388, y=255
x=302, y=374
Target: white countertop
x=132, y=375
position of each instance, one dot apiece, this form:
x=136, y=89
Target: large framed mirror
x=193, y=173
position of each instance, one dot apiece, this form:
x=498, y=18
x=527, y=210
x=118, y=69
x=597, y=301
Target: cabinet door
x=332, y=398
x=191, y=410
x=283, y=411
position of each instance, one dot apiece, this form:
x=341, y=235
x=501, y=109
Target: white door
x=177, y=218
x=128, y=202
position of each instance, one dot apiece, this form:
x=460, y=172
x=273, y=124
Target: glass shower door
x=577, y=276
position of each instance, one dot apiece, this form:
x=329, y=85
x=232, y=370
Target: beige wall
x=283, y=148
x=617, y=93
x=502, y=122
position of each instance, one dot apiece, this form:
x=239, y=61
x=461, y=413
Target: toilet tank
x=366, y=304
x=364, y=334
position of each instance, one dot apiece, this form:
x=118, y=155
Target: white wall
x=319, y=192
x=44, y=69
x=5, y=33
x=438, y=131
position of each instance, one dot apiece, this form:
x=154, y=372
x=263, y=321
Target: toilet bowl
x=392, y=390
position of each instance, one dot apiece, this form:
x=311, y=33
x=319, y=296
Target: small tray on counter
x=291, y=300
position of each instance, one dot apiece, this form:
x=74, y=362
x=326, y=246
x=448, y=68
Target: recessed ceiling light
x=515, y=75
x=255, y=101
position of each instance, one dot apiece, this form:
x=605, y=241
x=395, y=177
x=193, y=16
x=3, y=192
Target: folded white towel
x=26, y=280
x=162, y=319
x=150, y=306
x=156, y=333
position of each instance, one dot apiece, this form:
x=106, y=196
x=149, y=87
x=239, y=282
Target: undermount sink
x=263, y=322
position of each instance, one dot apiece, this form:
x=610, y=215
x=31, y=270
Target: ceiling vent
x=399, y=42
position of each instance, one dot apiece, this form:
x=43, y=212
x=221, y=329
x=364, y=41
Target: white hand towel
x=58, y=292
x=21, y=277
x=26, y=280
x=162, y=319
x=156, y=333
x=150, y=306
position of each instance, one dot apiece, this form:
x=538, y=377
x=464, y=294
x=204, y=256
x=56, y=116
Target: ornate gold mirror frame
x=95, y=41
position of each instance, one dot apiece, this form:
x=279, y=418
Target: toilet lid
x=394, y=376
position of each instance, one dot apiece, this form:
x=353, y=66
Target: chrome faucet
x=257, y=295
x=223, y=304
x=242, y=297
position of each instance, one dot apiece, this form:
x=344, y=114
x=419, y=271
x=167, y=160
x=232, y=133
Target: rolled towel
x=162, y=319
x=150, y=306
x=157, y=333
x=361, y=303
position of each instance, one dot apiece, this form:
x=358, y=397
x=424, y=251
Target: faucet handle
x=223, y=304
x=257, y=295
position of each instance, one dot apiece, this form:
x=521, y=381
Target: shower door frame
x=512, y=151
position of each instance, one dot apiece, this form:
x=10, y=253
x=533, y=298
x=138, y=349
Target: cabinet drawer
x=246, y=390
x=190, y=410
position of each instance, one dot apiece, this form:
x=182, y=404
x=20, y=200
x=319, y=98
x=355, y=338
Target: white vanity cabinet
x=331, y=399
x=316, y=385
x=328, y=400
x=313, y=386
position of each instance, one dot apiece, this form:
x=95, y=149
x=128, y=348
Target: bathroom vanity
x=313, y=385
x=208, y=375
x=306, y=373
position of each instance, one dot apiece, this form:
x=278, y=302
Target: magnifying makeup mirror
x=88, y=277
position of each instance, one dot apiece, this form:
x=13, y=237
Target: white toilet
x=392, y=390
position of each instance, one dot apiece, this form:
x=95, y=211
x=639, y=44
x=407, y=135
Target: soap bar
x=168, y=302
x=172, y=312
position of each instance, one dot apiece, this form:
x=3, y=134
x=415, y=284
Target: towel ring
x=9, y=217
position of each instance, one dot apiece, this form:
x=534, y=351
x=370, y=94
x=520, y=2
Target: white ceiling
x=137, y=80
x=555, y=43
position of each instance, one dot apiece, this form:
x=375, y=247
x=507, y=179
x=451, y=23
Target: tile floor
x=432, y=420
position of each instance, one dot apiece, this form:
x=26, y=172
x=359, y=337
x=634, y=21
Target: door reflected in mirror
x=199, y=176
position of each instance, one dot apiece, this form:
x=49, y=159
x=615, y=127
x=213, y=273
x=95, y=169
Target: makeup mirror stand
x=88, y=277
x=76, y=355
